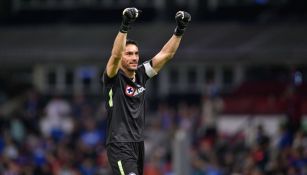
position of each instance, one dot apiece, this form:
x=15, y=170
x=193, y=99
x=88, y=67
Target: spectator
x=58, y=121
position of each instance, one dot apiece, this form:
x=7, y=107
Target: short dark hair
x=130, y=41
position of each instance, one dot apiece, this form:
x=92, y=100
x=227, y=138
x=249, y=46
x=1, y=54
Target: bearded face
x=130, y=57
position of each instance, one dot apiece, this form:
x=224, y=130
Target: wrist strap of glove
x=179, y=31
x=124, y=28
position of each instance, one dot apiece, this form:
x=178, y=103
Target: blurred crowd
x=66, y=136
x=54, y=135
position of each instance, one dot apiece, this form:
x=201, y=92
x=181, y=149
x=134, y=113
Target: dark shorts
x=126, y=158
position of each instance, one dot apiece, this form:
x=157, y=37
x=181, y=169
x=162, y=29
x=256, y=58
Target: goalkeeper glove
x=129, y=16
x=182, y=18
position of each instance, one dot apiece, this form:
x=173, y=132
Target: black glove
x=182, y=18
x=129, y=16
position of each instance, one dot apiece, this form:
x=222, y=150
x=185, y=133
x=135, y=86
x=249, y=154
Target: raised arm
x=169, y=49
x=129, y=16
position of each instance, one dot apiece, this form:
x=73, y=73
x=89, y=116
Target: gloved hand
x=129, y=16
x=182, y=18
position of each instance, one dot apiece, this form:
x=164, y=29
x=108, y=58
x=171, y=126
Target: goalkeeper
x=124, y=91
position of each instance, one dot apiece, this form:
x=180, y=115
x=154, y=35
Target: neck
x=129, y=73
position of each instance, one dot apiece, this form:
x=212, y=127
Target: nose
x=135, y=57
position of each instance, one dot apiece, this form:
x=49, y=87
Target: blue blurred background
x=232, y=101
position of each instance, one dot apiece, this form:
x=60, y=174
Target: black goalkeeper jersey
x=125, y=104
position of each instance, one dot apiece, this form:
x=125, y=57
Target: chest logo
x=129, y=90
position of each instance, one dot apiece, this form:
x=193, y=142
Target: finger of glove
x=183, y=16
x=135, y=12
x=132, y=13
x=179, y=15
x=128, y=12
x=125, y=11
x=179, y=18
x=187, y=17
